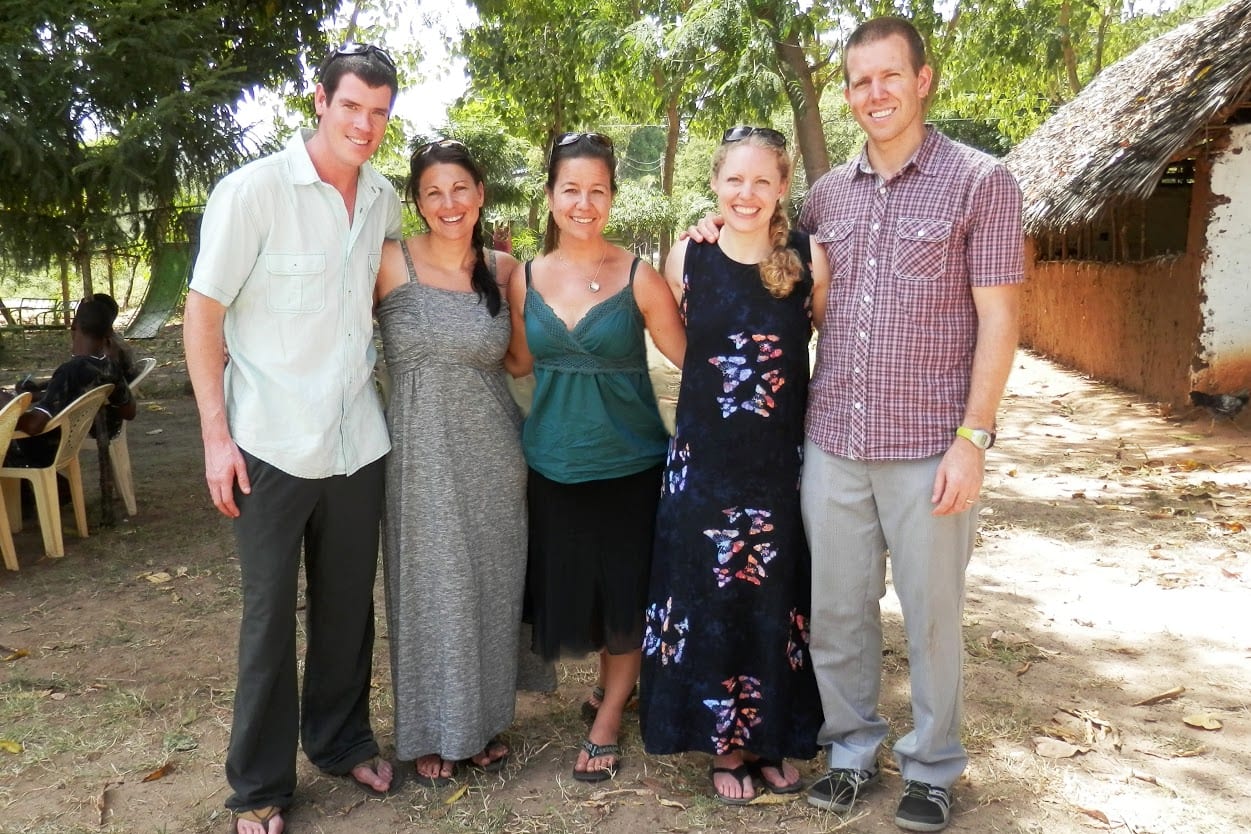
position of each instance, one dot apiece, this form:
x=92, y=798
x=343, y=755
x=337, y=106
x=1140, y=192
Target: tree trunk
x=805, y=99
x=673, y=124
x=65, y=296
x=1066, y=45
x=83, y=257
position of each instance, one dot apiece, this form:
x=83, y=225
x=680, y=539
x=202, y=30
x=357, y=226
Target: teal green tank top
x=594, y=413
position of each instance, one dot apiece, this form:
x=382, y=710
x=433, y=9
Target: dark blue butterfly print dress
x=725, y=648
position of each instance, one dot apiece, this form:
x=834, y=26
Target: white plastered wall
x=1226, y=271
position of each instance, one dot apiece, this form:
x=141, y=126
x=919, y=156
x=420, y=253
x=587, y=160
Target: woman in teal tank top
x=593, y=440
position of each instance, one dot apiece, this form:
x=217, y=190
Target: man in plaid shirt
x=925, y=245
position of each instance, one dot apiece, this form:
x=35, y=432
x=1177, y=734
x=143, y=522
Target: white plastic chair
x=8, y=423
x=74, y=422
x=119, y=451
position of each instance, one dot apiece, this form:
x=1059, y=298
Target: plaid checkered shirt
x=895, y=355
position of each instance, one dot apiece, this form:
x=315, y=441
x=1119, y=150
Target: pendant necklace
x=593, y=283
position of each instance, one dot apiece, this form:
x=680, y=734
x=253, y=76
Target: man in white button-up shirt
x=293, y=431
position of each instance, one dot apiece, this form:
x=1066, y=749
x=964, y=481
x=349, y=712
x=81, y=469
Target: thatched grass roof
x=1114, y=140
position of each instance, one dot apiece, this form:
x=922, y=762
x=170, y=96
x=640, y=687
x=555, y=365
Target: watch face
x=980, y=438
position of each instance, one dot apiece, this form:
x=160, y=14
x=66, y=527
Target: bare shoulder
x=505, y=266
x=677, y=256
x=392, y=271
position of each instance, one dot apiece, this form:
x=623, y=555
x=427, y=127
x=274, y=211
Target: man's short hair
x=93, y=318
x=880, y=28
x=366, y=66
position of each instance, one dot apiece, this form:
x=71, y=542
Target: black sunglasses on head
x=566, y=139
x=441, y=143
x=362, y=49
x=738, y=134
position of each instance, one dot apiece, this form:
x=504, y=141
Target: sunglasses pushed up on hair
x=441, y=143
x=768, y=134
x=564, y=140
x=351, y=49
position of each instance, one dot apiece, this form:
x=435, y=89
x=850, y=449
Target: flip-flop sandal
x=738, y=774
x=758, y=778
x=496, y=764
x=260, y=816
x=432, y=781
x=590, y=711
x=595, y=751
x=397, y=779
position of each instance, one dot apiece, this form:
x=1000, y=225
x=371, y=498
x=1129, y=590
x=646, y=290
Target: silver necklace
x=593, y=283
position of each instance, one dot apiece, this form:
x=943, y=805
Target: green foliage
x=501, y=157
x=642, y=155
x=113, y=107
x=534, y=63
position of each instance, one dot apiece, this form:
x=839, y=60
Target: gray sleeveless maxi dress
x=454, y=531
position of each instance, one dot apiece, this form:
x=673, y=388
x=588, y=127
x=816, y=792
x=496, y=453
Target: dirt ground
x=1112, y=570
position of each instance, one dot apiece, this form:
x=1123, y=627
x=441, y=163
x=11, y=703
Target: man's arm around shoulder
x=205, y=343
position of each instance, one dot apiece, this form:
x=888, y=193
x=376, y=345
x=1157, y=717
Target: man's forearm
x=997, y=334
x=204, y=341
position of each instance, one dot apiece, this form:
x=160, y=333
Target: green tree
x=533, y=63
x=112, y=108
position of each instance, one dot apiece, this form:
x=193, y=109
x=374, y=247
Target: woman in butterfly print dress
x=725, y=661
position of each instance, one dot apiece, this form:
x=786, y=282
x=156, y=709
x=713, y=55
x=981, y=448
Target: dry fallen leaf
x=10, y=746
x=1023, y=668
x=7, y=654
x=1167, y=695
x=158, y=577
x=669, y=803
x=57, y=696
x=1203, y=721
x=1053, y=748
x=1095, y=813
x=461, y=791
x=160, y=773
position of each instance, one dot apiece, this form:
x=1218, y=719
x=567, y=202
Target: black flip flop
x=432, y=781
x=739, y=774
x=397, y=779
x=496, y=764
x=595, y=751
x=758, y=778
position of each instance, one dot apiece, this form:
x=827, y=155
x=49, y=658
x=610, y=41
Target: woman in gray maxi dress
x=454, y=533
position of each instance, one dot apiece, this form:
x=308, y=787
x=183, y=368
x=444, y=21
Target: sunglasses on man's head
x=738, y=134
x=441, y=143
x=363, y=49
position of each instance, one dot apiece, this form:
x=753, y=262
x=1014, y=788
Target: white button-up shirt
x=296, y=278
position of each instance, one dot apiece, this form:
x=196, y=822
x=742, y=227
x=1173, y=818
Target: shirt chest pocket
x=837, y=239
x=922, y=246
x=296, y=282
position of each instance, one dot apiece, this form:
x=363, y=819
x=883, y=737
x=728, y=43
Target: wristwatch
x=980, y=438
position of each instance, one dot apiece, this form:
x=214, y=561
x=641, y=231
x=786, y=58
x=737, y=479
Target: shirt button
x=881, y=189
x=872, y=261
x=868, y=299
x=876, y=227
x=858, y=407
x=863, y=335
x=855, y=370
